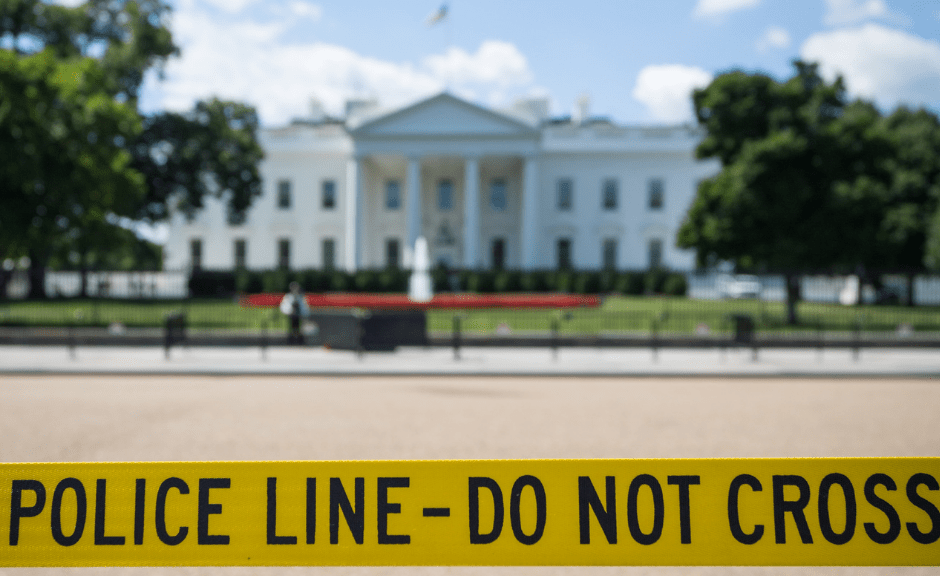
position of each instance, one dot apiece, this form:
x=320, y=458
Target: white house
x=513, y=189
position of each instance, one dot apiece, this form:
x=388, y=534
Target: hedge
x=227, y=283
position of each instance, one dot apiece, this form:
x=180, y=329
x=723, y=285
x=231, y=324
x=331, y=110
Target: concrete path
x=472, y=361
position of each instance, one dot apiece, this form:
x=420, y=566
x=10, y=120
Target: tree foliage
x=77, y=159
x=175, y=152
x=810, y=180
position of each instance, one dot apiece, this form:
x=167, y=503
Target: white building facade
x=487, y=189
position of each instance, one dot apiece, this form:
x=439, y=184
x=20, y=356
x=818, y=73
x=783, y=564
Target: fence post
x=856, y=338
x=819, y=339
x=455, y=337
x=554, y=339
x=72, y=340
x=654, y=338
x=754, y=347
x=263, y=341
x=359, y=332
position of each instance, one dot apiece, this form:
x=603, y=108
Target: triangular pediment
x=443, y=115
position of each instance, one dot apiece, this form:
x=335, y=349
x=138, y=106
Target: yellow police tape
x=825, y=511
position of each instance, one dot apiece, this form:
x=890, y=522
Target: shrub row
x=225, y=283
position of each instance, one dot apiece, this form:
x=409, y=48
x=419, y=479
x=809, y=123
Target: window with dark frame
x=498, y=195
x=195, y=253
x=565, y=193
x=329, y=194
x=392, y=253
x=392, y=195
x=283, y=194
x=498, y=253
x=563, y=253
x=609, y=201
x=445, y=195
x=328, y=256
x=609, y=253
x=283, y=253
x=241, y=253
x=655, y=253
x=656, y=194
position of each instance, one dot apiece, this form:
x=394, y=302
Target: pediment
x=443, y=115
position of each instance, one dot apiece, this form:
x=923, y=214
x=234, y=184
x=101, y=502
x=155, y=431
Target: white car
x=738, y=286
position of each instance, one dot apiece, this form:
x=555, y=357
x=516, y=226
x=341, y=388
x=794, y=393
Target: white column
x=353, y=248
x=471, y=214
x=413, y=205
x=530, y=207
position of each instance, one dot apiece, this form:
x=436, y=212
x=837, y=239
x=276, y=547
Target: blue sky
x=636, y=60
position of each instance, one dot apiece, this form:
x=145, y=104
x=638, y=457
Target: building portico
x=469, y=209
x=433, y=170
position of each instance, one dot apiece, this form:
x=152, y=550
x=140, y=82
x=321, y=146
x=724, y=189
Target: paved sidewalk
x=472, y=361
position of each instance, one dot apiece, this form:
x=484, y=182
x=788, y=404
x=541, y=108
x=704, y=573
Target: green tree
x=79, y=161
x=63, y=166
x=809, y=180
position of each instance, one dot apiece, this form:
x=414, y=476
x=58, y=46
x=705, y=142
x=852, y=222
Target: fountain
x=419, y=285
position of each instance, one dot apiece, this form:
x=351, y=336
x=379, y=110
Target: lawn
x=617, y=315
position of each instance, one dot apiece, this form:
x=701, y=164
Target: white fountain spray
x=419, y=285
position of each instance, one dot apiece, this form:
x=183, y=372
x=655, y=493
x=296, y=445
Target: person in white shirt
x=294, y=306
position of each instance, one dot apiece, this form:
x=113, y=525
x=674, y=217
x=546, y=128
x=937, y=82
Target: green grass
x=617, y=315
x=676, y=315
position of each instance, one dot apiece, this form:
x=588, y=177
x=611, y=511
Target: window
x=609, y=201
x=656, y=194
x=565, y=192
x=392, y=253
x=498, y=195
x=498, y=250
x=329, y=194
x=283, y=194
x=445, y=195
x=563, y=251
x=328, y=253
x=392, y=195
x=283, y=253
x=195, y=253
x=241, y=253
x=655, y=253
x=609, y=253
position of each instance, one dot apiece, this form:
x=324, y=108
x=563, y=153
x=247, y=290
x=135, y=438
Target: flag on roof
x=437, y=16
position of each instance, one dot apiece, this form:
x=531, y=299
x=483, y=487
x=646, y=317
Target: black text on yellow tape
x=840, y=511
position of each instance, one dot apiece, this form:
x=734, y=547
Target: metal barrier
x=175, y=331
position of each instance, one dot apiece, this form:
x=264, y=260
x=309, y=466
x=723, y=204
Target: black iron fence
x=640, y=322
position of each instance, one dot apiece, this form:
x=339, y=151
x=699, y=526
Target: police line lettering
x=826, y=511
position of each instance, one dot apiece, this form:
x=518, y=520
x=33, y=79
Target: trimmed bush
x=393, y=280
x=587, y=283
x=629, y=283
x=480, y=281
x=654, y=281
x=339, y=281
x=534, y=281
x=507, y=281
x=675, y=284
x=564, y=281
x=366, y=281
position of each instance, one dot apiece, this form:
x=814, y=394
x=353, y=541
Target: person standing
x=294, y=306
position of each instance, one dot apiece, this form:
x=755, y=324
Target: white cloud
x=842, y=12
x=249, y=61
x=666, y=90
x=880, y=63
x=306, y=10
x=773, y=37
x=712, y=8
x=231, y=6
